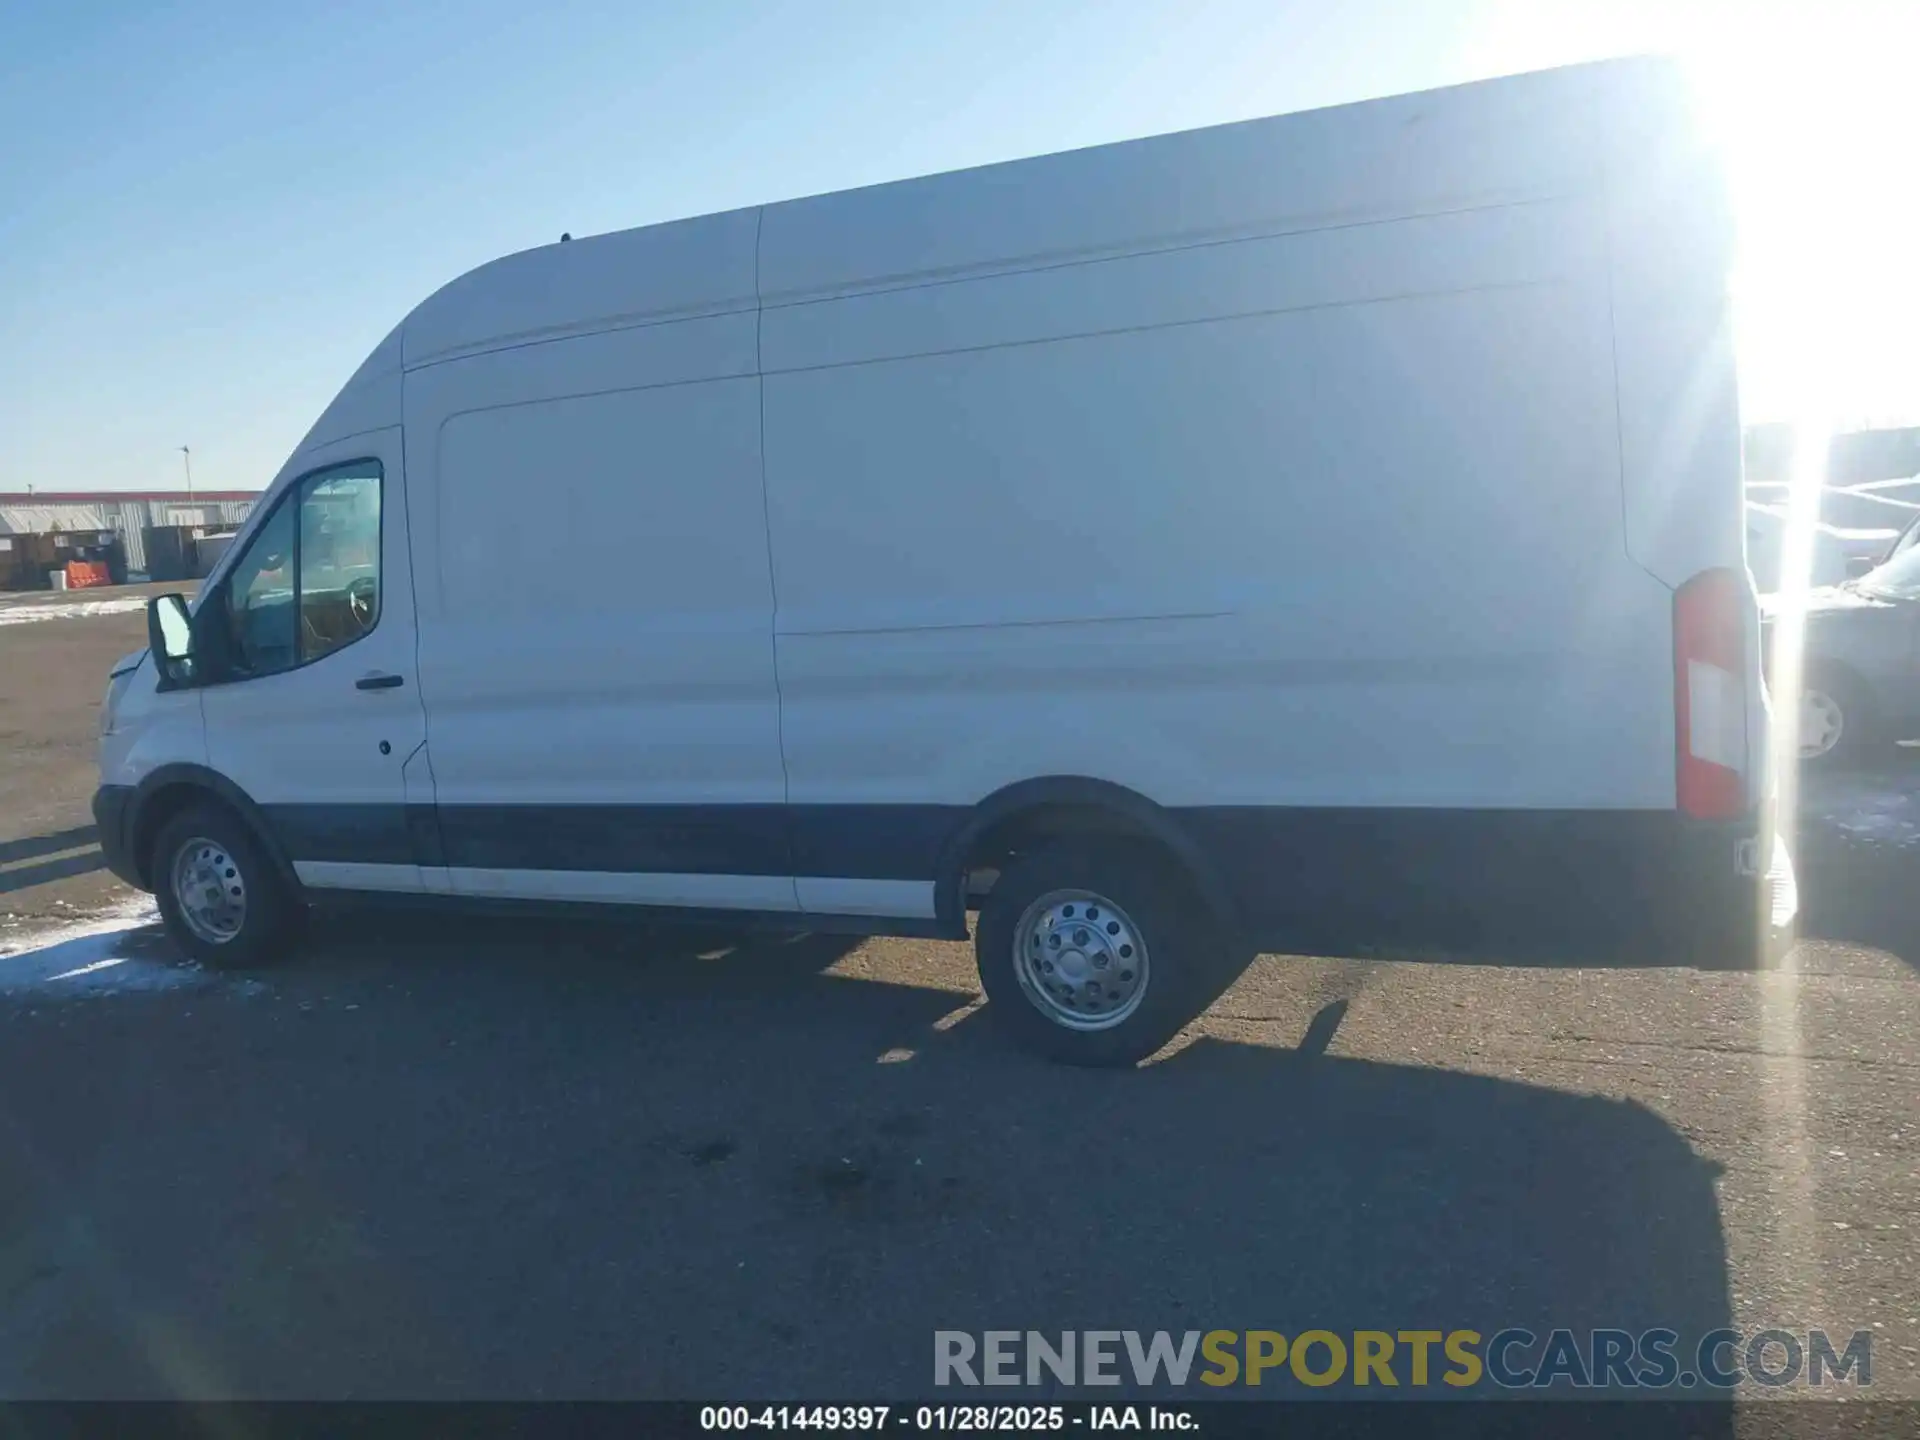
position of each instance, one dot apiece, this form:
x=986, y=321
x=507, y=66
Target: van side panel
x=596, y=614
x=1290, y=522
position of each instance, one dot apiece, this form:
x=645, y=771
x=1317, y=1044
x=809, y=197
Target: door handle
x=378, y=682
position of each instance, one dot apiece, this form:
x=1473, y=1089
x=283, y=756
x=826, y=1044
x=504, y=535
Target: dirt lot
x=532, y=1160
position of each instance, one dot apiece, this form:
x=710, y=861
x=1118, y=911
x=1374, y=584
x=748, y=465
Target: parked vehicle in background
x=1860, y=667
x=1900, y=546
x=986, y=539
x=1836, y=553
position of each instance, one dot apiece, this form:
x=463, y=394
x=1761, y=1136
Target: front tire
x=223, y=902
x=1093, y=957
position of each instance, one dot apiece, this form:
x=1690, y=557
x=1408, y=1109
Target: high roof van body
x=1160, y=546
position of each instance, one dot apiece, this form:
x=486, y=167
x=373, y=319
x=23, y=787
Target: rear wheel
x=221, y=899
x=1093, y=957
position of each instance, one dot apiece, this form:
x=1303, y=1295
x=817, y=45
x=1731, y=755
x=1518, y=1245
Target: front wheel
x=1093, y=957
x=220, y=897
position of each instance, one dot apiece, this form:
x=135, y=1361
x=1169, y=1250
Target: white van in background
x=1164, y=546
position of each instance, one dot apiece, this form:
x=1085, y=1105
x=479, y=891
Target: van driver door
x=315, y=712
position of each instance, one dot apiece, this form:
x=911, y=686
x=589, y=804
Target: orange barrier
x=83, y=574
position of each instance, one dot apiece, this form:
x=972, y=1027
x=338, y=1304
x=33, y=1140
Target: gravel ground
x=465, y=1159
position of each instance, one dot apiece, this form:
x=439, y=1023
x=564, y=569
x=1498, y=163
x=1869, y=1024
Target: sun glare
x=1811, y=118
x=1813, y=110
x=1815, y=118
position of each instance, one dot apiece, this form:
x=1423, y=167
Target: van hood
x=127, y=662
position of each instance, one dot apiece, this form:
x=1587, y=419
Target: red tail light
x=1710, y=695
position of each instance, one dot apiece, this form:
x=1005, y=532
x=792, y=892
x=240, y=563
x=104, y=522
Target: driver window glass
x=339, y=558
x=260, y=613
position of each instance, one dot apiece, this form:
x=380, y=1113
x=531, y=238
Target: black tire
x=1860, y=730
x=1190, y=957
x=271, y=914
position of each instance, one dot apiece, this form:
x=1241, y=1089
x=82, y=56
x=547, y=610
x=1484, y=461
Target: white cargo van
x=1155, y=546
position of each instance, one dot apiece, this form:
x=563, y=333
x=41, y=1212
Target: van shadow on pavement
x=1856, y=854
x=487, y=1159
x=39, y=859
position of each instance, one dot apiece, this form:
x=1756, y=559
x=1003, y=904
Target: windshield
x=1898, y=579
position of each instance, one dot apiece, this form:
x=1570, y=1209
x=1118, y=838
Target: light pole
x=186, y=458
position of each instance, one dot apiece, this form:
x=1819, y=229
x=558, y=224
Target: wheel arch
x=1834, y=668
x=1049, y=806
x=169, y=789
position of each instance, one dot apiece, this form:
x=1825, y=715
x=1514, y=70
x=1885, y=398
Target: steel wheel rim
x=1822, y=722
x=209, y=890
x=1080, y=959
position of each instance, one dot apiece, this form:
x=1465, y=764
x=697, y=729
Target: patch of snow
x=119, y=950
x=27, y=612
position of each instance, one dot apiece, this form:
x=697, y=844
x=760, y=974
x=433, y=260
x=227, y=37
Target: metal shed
x=127, y=514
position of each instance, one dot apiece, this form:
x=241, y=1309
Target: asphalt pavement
x=525, y=1159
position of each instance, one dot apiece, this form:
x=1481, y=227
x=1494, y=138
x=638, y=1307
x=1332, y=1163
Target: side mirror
x=1858, y=565
x=170, y=640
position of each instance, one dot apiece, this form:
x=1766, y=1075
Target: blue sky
x=210, y=211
